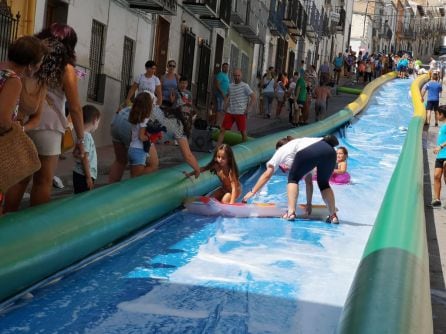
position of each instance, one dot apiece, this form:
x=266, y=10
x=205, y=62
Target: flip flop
x=289, y=216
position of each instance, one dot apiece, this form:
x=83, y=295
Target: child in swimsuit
x=224, y=166
x=341, y=160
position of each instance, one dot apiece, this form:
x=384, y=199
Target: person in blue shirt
x=440, y=151
x=433, y=89
x=221, y=88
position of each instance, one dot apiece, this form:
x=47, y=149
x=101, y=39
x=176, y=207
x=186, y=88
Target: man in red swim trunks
x=240, y=100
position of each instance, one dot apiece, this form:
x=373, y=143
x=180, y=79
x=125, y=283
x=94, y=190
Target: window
x=244, y=66
x=127, y=66
x=96, y=55
x=234, y=57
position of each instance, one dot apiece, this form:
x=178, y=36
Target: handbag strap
x=51, y=104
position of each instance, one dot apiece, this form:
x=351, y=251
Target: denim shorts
x=121, y=129
x=137, y=156
x=220, y=101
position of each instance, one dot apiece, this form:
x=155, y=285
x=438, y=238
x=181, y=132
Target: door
x=161, y=45
x=218, y=57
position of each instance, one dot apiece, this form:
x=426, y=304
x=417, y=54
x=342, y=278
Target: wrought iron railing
x=8, y=28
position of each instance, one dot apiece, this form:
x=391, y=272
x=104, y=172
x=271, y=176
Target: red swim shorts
x=229, y=119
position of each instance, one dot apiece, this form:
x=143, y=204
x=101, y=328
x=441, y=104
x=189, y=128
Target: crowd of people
x=41, y=94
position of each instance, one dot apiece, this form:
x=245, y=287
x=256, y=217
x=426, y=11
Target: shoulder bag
x=18, y=155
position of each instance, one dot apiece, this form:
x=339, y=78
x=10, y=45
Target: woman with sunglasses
x=169, y=84
x=146, y=81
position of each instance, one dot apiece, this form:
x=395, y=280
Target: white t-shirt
x=284, y=156
x=145, y=83
x=136, y=142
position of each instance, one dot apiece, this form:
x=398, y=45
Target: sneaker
x=57, y=182
x=436, y=203
x=332, y=219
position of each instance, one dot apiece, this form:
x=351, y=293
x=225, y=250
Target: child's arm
x=235, y=186
x=86, y=166
x=342, y=168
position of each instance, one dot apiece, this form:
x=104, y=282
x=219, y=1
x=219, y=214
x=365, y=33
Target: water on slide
x=195, y=274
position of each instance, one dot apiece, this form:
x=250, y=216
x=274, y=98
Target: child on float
x=85, y=170
x=440, y=151
x=223, y=164
x=137, y=153
x=340, y=174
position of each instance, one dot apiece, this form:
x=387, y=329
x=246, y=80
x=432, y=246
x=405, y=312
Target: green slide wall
x=40, y=241
x=390, y=292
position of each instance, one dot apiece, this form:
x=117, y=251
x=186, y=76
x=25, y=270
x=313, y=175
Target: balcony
x=290, y=15
x=275, y=19
x=164, y=7
x=202, y=7
x=238, y=11
x=253, y=28
x=313, y=24
x=222, y=19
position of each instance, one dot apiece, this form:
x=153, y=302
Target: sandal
x=289, y=216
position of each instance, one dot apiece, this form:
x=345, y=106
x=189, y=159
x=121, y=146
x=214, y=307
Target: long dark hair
x=64, y=34
x=61, y=40
x=233, y=168
x=141, y=108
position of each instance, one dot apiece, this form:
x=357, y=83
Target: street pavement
x=435, y=228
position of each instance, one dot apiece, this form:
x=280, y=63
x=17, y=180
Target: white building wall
x=119, y=21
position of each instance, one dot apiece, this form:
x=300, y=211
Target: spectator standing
x=291, y=96
x=280, y=93
x=440, y=165
x=24, y=59
x=62, y=87
x=268, y=91
x=184, y=101
x=146, y=81
x=433, y=89
x=300, y=94
x=85, y=170
x=169, y=84
x=240, y=100
x=338, y=64
x=221, y=86
x=302, y=68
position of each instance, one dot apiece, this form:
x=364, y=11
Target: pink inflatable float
x=337, y=178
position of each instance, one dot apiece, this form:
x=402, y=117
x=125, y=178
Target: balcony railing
x=164, y=7
x=238, y=11
x=213, y=13
x=313, y=24
x=222, y=19
x=275, y=19
x=253, y=28
x=291, y=12
x=202, y=7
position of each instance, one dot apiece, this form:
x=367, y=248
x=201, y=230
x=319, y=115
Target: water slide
x=190, y=273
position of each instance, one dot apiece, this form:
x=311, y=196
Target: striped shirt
x=239, y=98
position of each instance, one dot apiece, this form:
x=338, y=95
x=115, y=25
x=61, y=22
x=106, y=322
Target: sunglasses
x=172, y=65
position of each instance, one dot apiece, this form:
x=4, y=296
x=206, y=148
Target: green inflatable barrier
x=390, y=292
x=38, y=242
x=348, y=90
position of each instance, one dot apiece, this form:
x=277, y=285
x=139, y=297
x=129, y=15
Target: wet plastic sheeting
x=197, y=274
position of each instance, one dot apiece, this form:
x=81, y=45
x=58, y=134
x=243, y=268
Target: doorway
x=161, y=45
x=218, y=57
